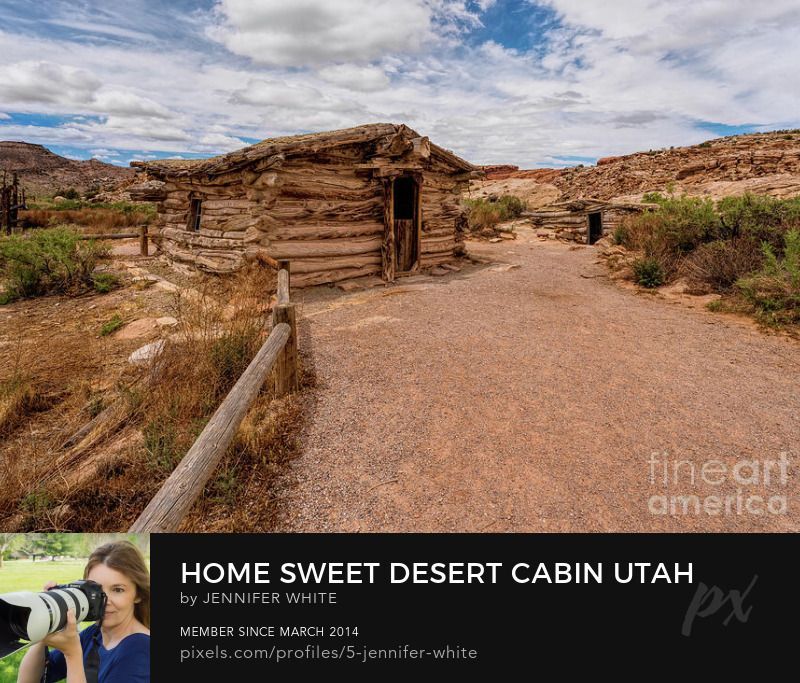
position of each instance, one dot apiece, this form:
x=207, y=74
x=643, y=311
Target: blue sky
x=529, y=82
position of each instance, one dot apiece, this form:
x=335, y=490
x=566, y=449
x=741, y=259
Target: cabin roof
x=295, y=145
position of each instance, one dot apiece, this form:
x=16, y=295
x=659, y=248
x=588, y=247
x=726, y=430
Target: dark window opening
x=404, y=198
x=595, y=227
x=195, y=210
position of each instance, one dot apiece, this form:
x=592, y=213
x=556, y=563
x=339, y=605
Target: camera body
x=95, y=598
x=31, y=617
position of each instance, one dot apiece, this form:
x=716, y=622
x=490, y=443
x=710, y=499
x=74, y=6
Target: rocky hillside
x=42, y=172
x=765, y=163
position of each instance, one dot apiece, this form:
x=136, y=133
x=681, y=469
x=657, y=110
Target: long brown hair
x=125, y=558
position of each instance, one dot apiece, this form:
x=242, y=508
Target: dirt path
x=532, y=398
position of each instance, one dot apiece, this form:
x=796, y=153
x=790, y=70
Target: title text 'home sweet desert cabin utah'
x=375, y=199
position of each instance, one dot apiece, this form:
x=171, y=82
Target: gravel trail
x=532, y=398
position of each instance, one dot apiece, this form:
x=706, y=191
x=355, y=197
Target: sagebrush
x=54, y=261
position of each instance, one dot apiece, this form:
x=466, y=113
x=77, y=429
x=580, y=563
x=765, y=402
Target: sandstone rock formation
x=764, y=163
x=42, y=172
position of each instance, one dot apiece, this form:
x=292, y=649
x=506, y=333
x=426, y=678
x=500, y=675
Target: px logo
x=708, y=601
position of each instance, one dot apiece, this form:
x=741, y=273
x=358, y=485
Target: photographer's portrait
x=114, y=594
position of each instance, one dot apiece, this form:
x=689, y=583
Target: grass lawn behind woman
x=25, y=575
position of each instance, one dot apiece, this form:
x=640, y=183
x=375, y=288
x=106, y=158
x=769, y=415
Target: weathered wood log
x=283, y=288
x=325, y=276
x=211, y=204
x=143, y=246
x=388, y=247
x=286, y=265
x=176, y=497
x=109, y=236
x=262, y=256
x=196, y=239
x=286, y=378
x=322, y=231
x=316, y=265
x=316, y=248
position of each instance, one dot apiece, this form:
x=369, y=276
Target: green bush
x=68, y=193
x=648, y=272
x=621, y=235
x=653, y=198
x=774, y=292
x=112, y=325
x=104, y=282
x=760, y=218
x=488, y=212
x=48, y=262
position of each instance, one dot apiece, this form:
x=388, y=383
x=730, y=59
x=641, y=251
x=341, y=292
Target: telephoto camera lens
x=30, y=617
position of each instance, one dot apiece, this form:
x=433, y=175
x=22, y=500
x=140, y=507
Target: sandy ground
x=532, y=398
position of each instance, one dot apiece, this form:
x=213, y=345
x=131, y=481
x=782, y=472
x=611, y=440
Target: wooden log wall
x=323, y=212
x=573, y=226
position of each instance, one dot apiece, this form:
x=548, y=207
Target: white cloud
x=354, y=77
x=123, y=103
x=612, y=78
x=216, y=142
x=312, y=32
x=31, y=81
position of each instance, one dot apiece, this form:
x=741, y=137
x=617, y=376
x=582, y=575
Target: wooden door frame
x=388, y=249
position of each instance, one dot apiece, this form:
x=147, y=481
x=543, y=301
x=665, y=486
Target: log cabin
x=582, y=220
x=377, y=199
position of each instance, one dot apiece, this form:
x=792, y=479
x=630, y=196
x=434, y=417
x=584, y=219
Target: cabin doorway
x=595, y=227
x=405, y=218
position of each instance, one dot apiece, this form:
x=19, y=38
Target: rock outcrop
x=764, y=163
x=42, y=172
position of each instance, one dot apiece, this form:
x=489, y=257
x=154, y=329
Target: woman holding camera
x=117, y=648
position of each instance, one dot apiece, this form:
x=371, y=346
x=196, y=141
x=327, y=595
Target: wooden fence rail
x=175, y=498
x=142, y=234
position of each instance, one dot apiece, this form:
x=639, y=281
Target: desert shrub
x=687, y=222
x=648, y=272
x=511, y=206
x=621, y=235
x=774, y=292
x=112, y=325
x=488, y=212
x=68, y=193
x=719, y=264
x=653, y=198
x=104, y=282
x=47, y=262
x=760, y=218
x=482, y=215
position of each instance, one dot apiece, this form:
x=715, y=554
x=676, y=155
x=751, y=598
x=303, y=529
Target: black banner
x=246, y=606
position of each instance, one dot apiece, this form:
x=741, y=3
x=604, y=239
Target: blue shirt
x=128, y=662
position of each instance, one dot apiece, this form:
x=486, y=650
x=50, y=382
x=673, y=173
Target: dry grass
x=148, y=418
x=95, y=219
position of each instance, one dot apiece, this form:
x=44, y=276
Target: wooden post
x=143, y=246
x=176, y=497
x=286, y=365
x=285, y=265
x=388, y=247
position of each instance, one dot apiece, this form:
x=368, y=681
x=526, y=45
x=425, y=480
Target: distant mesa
x=43, y=172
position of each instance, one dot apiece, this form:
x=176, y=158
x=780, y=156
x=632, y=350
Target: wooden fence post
x=285, y=265
x=143, y=246
x=286, y=364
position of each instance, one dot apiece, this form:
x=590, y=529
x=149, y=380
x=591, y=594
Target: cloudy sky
x=530, y=82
